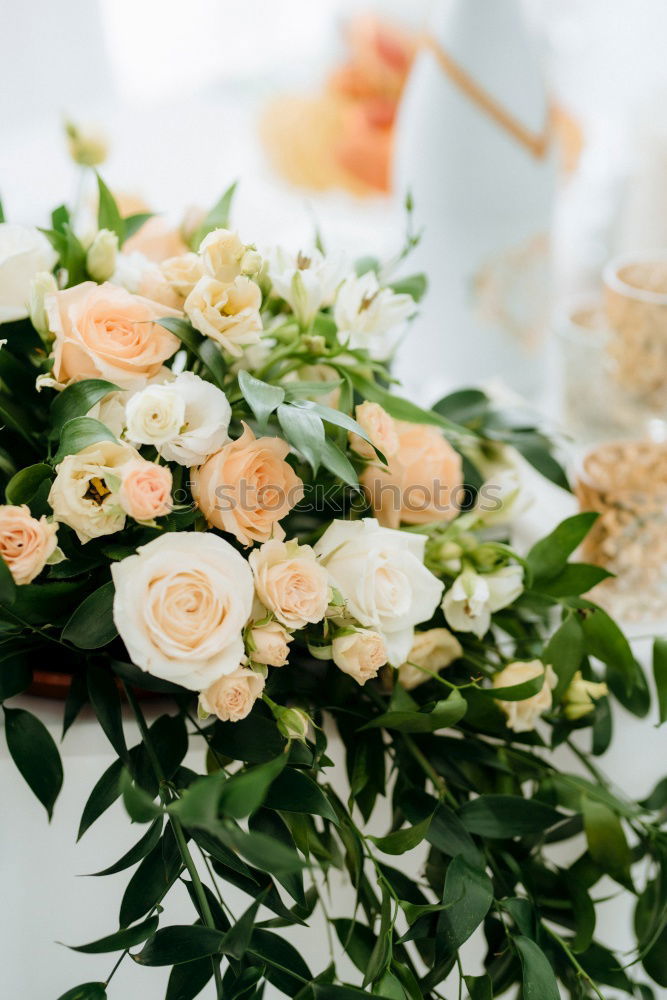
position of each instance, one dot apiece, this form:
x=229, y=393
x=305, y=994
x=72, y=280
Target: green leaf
x=500, y=816
x=103, y=795
x=357, y=939
x=15, y=674
x=128, y=937
x=198, y=805
x=91, y=625
x=245, y=792
x=414, y=285
x=564, y=652
x=206, y=350
x=304, y=431
x=539, y=981
x=136, y=853
x=286, y=968
x=22, y=487
x=606, y=840
x=294, y=791
x=336, y=461
x=583, y=911
x=604, y=640
x=403, y=840
x=108, y=214
x=336, y=417
x=261, y=397
x=35, y=754
x=516, y=692
x=7, y=585
x=173, y=945
x=105, y=698
x=479, y=987
x=218, y=217
x=403, y=409
x=139, y=804
x=573, y=579
x=270, y=823
x=87, y=991
x=254, y=740
x=660, y=676
x=77, y=434
x=442, y=715
x=262, y=851
x=547, y=557
x=152, y=880
x=133, y=223
x=470, y=894
x=142, y=679
x=237, y=939
x=188, y=979
x=78, y=399
x=169, y=739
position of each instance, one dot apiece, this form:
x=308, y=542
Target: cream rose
x=155, y=414
x=232, y=697
x=290, y=582
x=85, y=492
x=26, y=543
x=101, y=331
x=247, y=487
x=431, y=651
x=421, y=482
x=359, y=654
x=381, y=575
x=228, y=314
x=24, y=252
x=379, y=427
x=269, y=644
x=145, y=490
x=224, y=256
x=181, y=605
x=523, y=715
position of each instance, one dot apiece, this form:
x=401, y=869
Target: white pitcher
x=474, y=148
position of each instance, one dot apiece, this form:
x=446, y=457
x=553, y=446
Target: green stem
x=177, y=827
x=573, y=960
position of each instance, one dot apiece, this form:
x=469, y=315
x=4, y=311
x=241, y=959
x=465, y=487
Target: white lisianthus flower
x=180, y=607
x=224, y=256
x=360, y=654
x=86, y=491
x=363, y=310
x=101, y=255
x=182, y=272
x=307, y=282
x=227, y=313
x=205, y=421
x=24, y=252
x=473, y=598
x=380, y=573
x=523, y=715
x=155, y=414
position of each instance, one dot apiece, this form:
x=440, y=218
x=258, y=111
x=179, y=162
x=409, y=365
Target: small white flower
x=505, y=585
x=363, y=310
x=307, y=282
x=42, y=285
x=155, y=415
x=24, y=252
x=473, y=598
x=101, y=255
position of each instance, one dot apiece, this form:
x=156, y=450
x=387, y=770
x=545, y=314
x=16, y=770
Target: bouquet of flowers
x=214, y=495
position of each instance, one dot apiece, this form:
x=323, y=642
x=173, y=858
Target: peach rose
x=380, y=428
x=270, y=644
x=227, y=313
x=156, y=240
x=290, y=582
x=26, y=544
x=145, y=490
x=359, y=654
x=102, y=331
x=421, y=482
x=247, y=487
x=232, y=697
x=432, y=651
x=522, y=716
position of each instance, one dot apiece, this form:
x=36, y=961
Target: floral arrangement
x=214, y=496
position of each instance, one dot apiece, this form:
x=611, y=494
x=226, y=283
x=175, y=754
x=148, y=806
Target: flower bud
x=251, y=262
x=579, y=699
x=42, y=284
x=316, y=344
x=87, y=146
x=101, y=256
x=293, y=723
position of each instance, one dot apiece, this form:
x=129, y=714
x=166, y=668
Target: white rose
x=363, y=310
x=307, y=282
x=205, y=421
x=381, y=575
x=181, y=605
x=473, y=598
x=24, y=252
x=232, y=697
x=101, y=255
x=85, y=492
x=227, y=313
x=431, y=652
x=522, y=715
x=155, y=415
x=359, y=654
